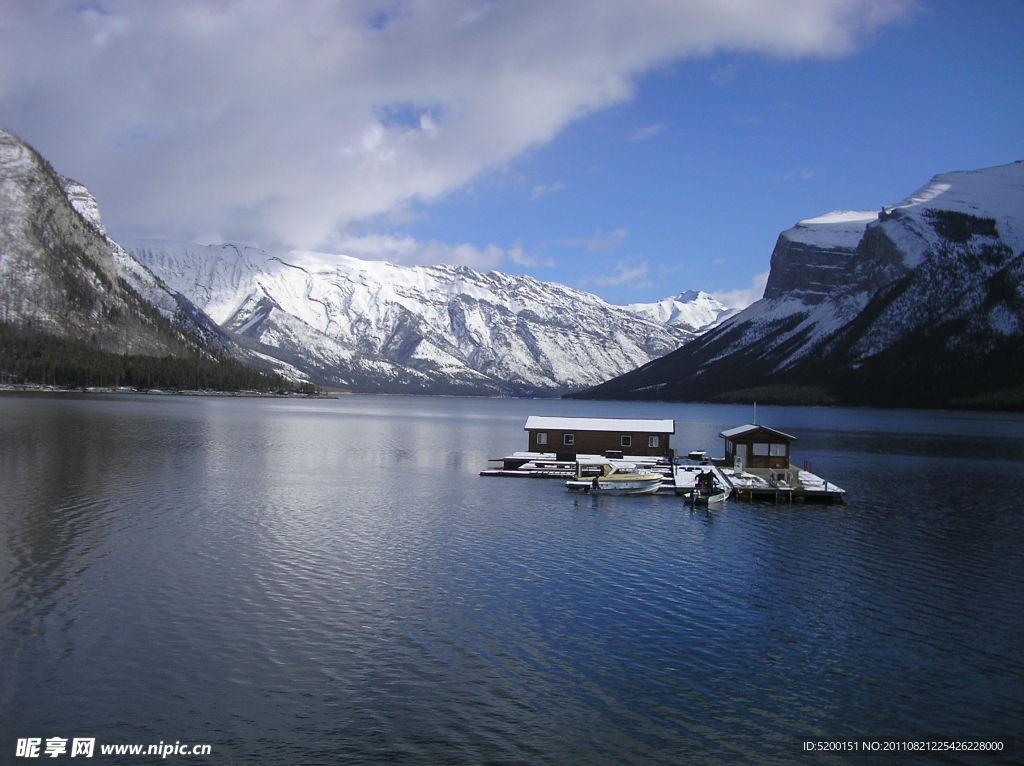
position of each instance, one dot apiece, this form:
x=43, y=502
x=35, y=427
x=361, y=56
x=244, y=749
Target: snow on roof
x=539, y=422
x=751, y=427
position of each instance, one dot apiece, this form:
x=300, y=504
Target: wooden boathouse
x=757, y=462
x=567, y=437
x=753, y=446
x=758, y=465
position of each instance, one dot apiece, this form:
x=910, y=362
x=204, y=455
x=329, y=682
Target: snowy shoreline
x=40, y=388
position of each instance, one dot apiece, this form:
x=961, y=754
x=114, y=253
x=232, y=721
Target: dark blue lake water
x=319, y=582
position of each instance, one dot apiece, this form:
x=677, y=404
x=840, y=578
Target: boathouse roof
x=542, y=422
x=749, y=427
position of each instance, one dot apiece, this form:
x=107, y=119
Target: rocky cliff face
x=921, y=304
x=376, y=326
x=58, y=270
x=811, y=259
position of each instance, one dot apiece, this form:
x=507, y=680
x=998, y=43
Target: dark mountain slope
x=920, y=305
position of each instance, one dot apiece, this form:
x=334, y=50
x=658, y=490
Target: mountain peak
x=919, y=305
x=61, y=275
x=693, y=310
x=689, y=296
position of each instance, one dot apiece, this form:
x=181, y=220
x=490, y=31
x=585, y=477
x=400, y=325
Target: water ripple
x=199, y=571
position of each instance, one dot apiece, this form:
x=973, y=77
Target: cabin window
x=569, y=439
x=778, y=450
x=741, y=450
x=625, y=440
x=653, y=441
x=761, y=448
x=542, y=437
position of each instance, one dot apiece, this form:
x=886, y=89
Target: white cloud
x=624, y=274
x=540, y=191
x=743, y=297
x=725, y=74
x=282, y=123
x=521, y=258
x=804, y=174
x=601, y=240
x=408, y=251
x=647, y=131
x=104, y=26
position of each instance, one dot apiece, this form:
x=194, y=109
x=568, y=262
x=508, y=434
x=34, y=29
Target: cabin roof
x=750, y=427
x=542, y=422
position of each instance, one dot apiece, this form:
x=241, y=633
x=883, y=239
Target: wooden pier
x=781, y=486
x=759, y=458
x=806, y=488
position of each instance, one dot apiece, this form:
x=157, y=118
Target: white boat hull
x=700, y=498
x=612, y=487
x=616, y=477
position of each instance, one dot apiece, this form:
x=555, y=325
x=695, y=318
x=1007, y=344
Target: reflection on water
x=327, y=581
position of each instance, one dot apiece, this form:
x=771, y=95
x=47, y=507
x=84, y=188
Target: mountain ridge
x=373, y=325
x=920, y=304
x=76, y=309
x=330, y=319
x=58, y=270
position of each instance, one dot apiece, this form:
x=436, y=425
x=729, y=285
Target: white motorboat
x=613, y=477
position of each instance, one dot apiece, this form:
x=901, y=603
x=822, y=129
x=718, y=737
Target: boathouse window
x=653, y=441
x=625, y=440
x=542, y=437
x=778, y=450
x=569, y=440
x=760, y=448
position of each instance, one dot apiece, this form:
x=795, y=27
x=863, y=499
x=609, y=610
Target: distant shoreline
x=40, y=388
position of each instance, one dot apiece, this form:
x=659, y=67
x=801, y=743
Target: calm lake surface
x=330, y=581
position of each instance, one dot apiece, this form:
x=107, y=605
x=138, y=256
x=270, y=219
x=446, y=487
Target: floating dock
x=798, y=486
x=792, y=485
x=546, y=465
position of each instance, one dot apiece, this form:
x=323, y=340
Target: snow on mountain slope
x=332, y=319
x=807, y=293
x=172, y=305
x=993, y=193
x=373, y=325
x=693, y=310
x=921, y=304
x=60, y=274
x=926, y=237
x=826, y=270
x=839, y=229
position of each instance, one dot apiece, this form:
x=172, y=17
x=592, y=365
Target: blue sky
x=634, y=150
x=713, y=158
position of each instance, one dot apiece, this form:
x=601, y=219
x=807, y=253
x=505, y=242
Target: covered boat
x=701, y=484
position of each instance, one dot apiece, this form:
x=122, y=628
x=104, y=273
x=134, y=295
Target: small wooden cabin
x=757, y=446
x=600, y=436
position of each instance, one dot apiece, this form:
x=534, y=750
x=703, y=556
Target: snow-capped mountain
x=329, y=319
x=918, y=304
x=693, y=310
x=60, y=273
x=371, y=325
